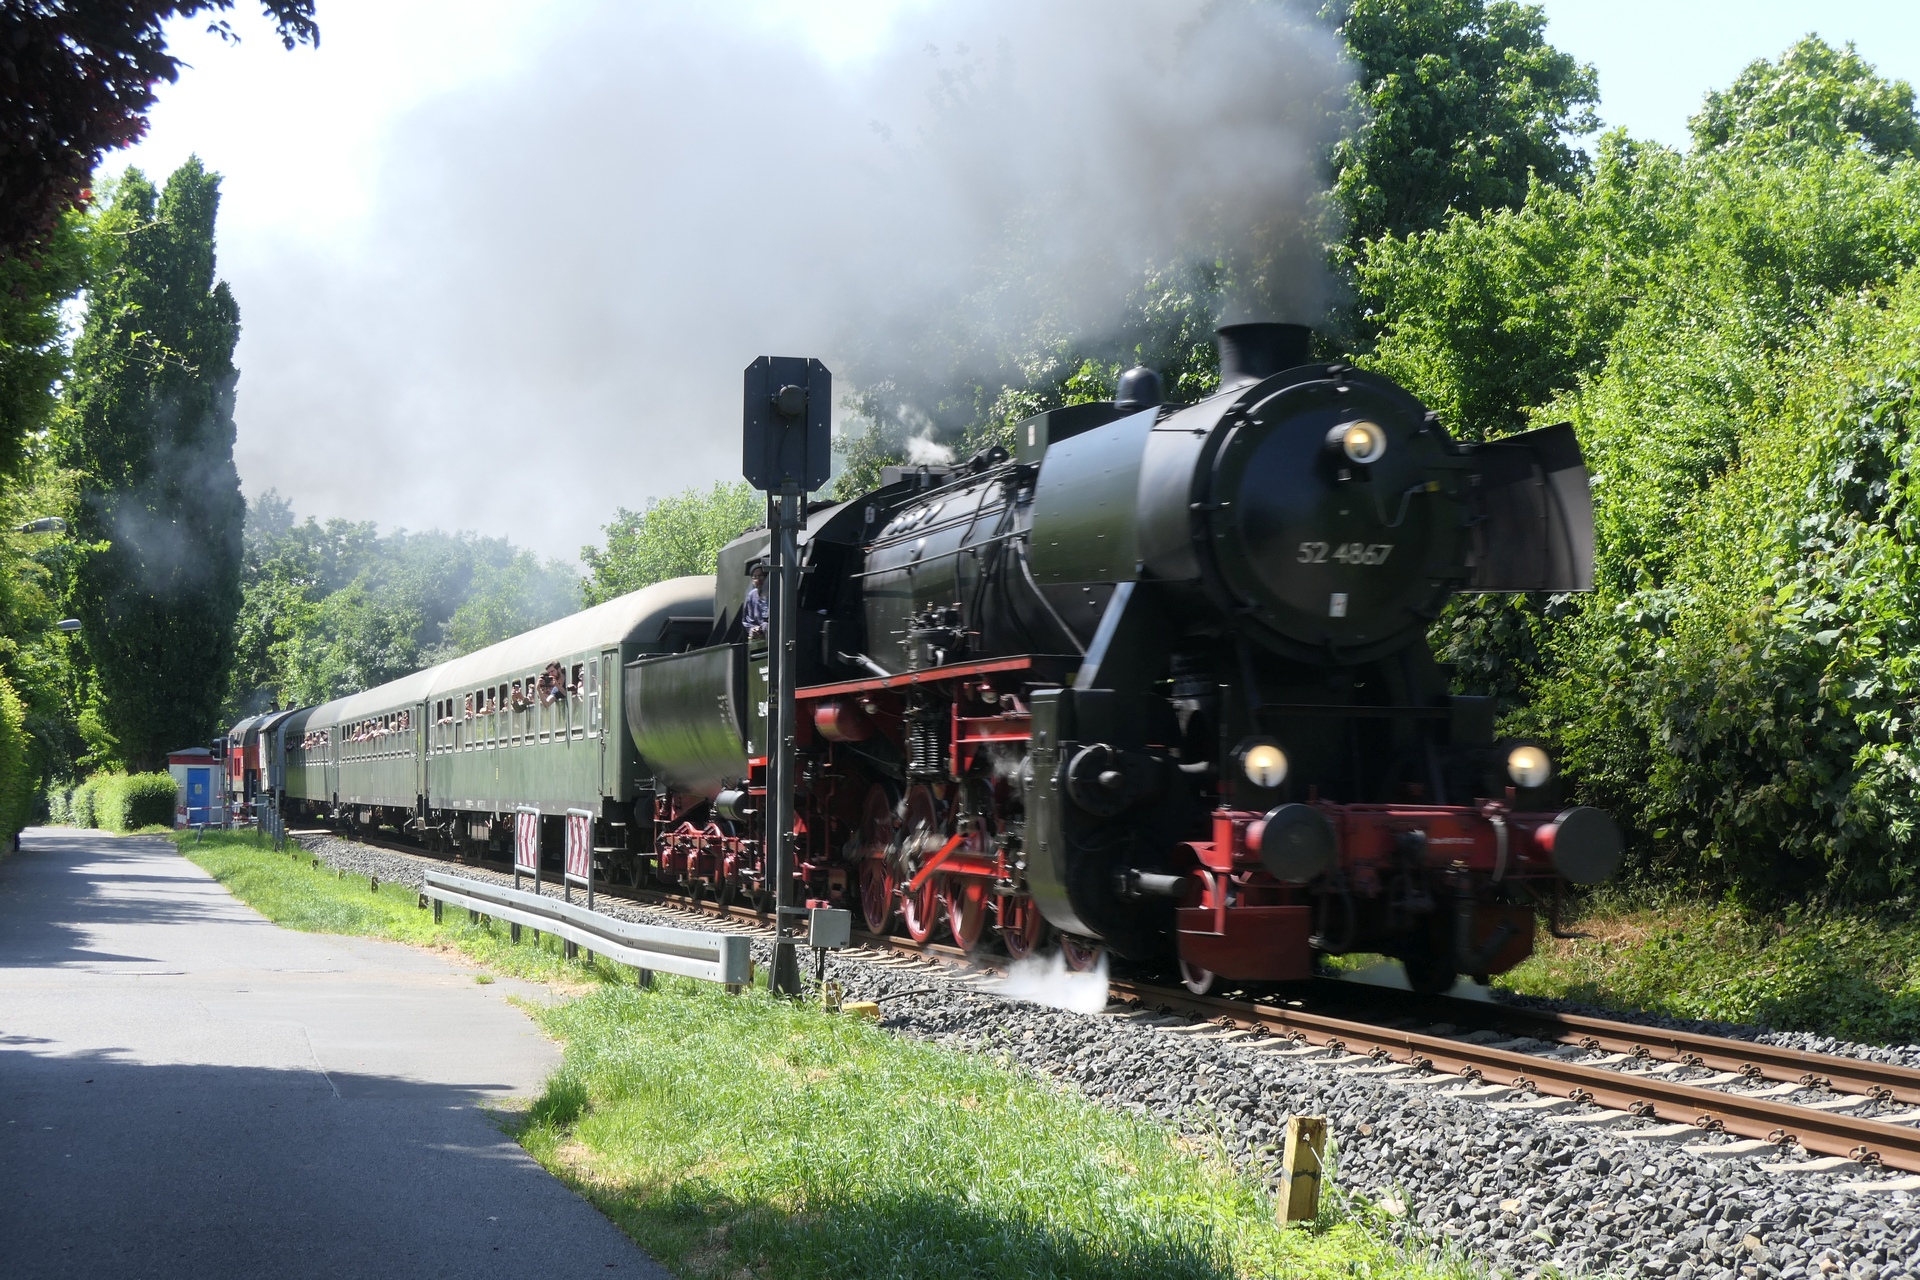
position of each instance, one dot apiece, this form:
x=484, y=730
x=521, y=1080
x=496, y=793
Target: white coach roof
x=640, y=616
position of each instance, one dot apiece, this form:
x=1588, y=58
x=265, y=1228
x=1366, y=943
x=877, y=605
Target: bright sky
x=362, y=377
x=1658, y=58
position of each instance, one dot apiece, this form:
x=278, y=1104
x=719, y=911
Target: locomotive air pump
x=786, y=454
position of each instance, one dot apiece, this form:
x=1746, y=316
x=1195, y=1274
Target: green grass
x=290, y=891
x=1851, y=975
x=749, y=1138
x=741, y=1132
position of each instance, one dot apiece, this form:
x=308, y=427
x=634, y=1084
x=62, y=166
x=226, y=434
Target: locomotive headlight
x=1264, y=763
x=1363, y=442
x=1529, y=766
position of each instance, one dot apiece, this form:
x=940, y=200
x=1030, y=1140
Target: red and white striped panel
x=579, y=846
x=526, y=842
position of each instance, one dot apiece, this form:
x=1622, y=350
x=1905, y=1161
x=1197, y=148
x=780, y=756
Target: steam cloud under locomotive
x=1155, y=681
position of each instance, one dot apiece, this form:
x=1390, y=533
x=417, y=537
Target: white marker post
x=526, y=850
x=579, y=863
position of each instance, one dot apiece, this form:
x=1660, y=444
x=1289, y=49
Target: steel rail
x=1821, y=1132
x=1712, y=1110
x=1773, y=1062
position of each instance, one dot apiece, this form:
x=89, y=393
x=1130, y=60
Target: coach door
x=422, y=731
x=601, y=722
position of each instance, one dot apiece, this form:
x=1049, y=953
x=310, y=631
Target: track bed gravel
x=1515, y=1192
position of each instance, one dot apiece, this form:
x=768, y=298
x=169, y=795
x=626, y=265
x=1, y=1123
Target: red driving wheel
x=1022, y=927
x=876, y=894
x=966, y=902
x=1082, y=955
x=920, y=839
x=918, y=908
x=877, y=880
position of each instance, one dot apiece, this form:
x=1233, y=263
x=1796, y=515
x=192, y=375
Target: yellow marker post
x=1300, y=1169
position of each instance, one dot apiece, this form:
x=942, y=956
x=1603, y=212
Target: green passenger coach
x=450, y=752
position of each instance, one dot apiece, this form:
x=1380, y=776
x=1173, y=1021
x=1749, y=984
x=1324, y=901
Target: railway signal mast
x=787, y=455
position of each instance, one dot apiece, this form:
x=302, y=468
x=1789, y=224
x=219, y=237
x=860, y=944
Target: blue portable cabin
x=197, y=786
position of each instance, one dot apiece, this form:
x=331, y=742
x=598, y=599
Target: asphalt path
x=189, y=1090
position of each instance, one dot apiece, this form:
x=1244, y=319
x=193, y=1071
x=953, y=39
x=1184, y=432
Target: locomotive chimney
x=1260, y=349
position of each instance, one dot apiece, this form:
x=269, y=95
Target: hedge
x=16, y=785
x=80, y=803
x=123, y=802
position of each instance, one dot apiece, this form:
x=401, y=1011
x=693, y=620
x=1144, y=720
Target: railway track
x=1762, y=1096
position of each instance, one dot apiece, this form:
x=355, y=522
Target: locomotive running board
x=931, y=675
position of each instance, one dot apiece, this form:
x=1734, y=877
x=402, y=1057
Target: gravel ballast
x=1511, y=1190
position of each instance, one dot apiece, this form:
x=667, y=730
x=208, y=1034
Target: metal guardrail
x=691, y=953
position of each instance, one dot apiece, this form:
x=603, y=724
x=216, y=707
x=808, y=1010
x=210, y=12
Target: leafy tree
x=511, y=598
x=1814, y=96
x=18, y=780
x=78, y=79
x=46, y=666
x=671, y=538
x=334, y=608
x=33, y=357
x=1489, y=317
x=1463, y=103
x=1732, y=333
x=150, y=427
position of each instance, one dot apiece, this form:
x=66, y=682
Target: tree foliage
x=78, y=78
x=33, y=356
x=335, y=608
x=1733, y=333
x=671, y=538
x=1816, y=97
x=510, y=598
x=19, y=782
x=1462, y=105
x=149, y=425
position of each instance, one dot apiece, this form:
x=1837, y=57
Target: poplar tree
x=149, y=425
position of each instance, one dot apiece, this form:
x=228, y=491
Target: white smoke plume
x=564, y=269
x=1045, y=979
x=922, y=451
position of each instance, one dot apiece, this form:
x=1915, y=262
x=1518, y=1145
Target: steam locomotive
x=1155, y=681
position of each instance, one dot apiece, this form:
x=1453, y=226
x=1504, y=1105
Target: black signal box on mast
x=789, y=407
x=787, y=455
